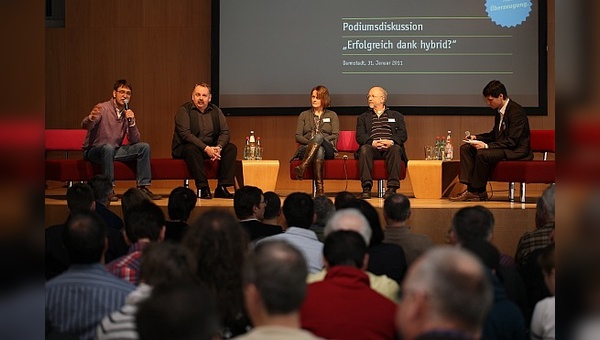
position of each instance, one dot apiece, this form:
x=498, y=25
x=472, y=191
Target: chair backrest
x=64, y=139
x=347, y=141
x=543, y=141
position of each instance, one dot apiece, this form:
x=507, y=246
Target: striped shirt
x=531, y=241
x=120, y=324
x=381, y=128
x=78, y=299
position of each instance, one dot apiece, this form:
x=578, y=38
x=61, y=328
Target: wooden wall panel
x=163, y=47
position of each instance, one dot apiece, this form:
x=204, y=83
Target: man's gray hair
x=349, y=219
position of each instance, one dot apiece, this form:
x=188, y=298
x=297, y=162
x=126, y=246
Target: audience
x=131, y=198
x=273, y=209
x=249, y=206
x=299, y=214
x=274, y=290
x=182, y=311
x=220, y=246
x=384, y=258
x=343, y=197
x=446, y=294
x=161, y=263
x=396, y=211
x=324, y=209
x=77, y=299
x=181, y=203
x=543, y=322
x=544, y=226
x=144, y=223
x=343, y=305
x=352, y=219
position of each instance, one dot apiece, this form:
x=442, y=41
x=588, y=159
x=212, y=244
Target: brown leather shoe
x=149, y=193
x=467, y=196
x=113, y=197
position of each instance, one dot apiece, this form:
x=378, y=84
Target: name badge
x=326, y=120
x=391, y=120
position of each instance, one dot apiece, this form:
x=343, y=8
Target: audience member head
x=248, y=202
x=219, y=246
x=544, y=210
x=131, y=198
x=145, y=221
x=472, y=223
x=274, y=280
x=180, y=310
x=324, y=209
x=345, y=248
x=372, y=217
x=446, y=289
x=181, y=203
x=85, y=238
x=166, y=262
x=102, y=187
x=486, y=252
x=349, y=219
x=396, y=209
x=342, y=197
x=298, y=210
x=80, y=198
x=273, y=208
x=547, y=262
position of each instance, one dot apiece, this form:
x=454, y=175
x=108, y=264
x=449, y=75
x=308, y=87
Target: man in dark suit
x=381, y=134
x=509, y=139
x=249, y=206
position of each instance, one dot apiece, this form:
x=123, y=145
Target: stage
x=429, y=216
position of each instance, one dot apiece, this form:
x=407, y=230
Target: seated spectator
x=249, y=206
x=446, y=294
x=343, y=306
x=396, y=211
x=505, y=320
x=299, y=214
x=161, y=263
x=144, y=223
x=324, y=209
x=274, y=290
x=352, y=219
x=543, y=322
x=182, y=311
x=103, y=191
x=220, y=246
x=384, y=258
x=273, y=209
x=544, y=226
x=181, y=203
x=131, y=198
x=343, y=197
x=77, y=299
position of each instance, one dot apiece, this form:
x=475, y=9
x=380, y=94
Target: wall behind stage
x=163, y=48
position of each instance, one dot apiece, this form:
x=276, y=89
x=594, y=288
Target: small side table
x=433, y=179
x=262, y=174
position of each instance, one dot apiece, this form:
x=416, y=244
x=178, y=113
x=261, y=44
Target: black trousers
x=194, y=158
x=477, y=164
x=392, y=157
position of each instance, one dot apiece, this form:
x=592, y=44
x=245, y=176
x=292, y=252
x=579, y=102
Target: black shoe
x=221, y=192
x=204, y=193
x=366, y=194
x=391, y=191
x=150, y=194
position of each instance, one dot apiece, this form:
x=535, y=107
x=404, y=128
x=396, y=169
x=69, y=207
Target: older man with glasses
x=381, y=133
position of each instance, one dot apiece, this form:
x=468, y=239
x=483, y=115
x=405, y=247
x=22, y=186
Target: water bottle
x=437, y=148
x=259, y=149
x=252, y=143
x=247, y=149
x=449, y=151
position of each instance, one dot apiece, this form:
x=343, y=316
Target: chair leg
x=380, y=190
x=523, y=193
x=511, y=191
x=314, y=188
x=186, y=183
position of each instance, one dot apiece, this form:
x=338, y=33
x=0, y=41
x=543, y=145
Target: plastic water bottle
x=259, y=150
x=247, y=149
x=449, y=151
x=252, y=143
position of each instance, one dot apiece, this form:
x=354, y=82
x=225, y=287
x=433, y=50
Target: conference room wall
x=163, y=48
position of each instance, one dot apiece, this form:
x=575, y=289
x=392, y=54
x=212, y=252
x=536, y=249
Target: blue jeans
x=106, y=154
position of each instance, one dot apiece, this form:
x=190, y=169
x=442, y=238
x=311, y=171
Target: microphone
x=467, y=134
x=126, y=102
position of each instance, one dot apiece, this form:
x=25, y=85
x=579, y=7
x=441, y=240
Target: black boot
x=309, y=154
x=318, y=170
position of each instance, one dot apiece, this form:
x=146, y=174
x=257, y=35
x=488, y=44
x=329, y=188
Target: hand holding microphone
x=126, y=104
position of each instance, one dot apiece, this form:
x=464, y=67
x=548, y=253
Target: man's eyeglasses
x=372, y=96
x=124, y=92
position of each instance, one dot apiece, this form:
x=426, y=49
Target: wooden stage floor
x=429, y=216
